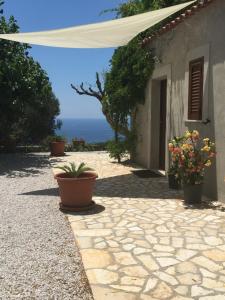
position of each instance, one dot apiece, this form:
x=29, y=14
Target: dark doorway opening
x=162, y=128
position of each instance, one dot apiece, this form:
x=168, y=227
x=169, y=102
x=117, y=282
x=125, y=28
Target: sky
x=66, y=66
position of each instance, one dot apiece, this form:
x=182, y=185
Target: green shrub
x=117, y=150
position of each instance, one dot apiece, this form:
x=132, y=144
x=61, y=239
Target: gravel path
x=38, y=256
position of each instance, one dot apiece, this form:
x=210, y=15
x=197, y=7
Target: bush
x=117, y=150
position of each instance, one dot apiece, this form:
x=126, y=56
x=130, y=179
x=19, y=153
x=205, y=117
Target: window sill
x=193, y=121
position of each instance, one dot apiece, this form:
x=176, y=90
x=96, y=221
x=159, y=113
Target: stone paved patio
x=142, y=243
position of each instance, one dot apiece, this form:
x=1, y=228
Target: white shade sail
x=99, y=35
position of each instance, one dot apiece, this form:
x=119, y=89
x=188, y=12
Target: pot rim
x=57, y=142
x=188, y=185
x=93, y=175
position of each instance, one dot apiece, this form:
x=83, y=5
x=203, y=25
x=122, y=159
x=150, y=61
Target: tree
x=28, y=106
x=132, y=65
x=130, y=68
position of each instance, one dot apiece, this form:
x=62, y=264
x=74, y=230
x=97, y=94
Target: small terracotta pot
x=76, y=193
x=57, y=148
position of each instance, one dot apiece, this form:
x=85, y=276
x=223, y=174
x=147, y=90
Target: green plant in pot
x=192, y=156
x=76, y=185
x=173, y=178
x=173, y=174
x=57, y=145
x=78, y=142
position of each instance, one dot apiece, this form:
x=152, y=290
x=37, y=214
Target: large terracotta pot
x=193, y=193
x=57, y=148
x=76, y=193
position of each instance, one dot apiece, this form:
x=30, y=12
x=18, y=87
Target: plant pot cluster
x=189, y=158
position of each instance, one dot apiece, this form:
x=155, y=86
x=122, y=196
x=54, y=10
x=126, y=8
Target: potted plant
x=57, y=145
x=78, y=142
x=192, y=156
x=76, y=187
x=173, y=178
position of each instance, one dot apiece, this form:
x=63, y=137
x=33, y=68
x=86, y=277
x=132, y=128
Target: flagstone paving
x=142, y=243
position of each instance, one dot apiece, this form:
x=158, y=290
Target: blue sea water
x=91, y=130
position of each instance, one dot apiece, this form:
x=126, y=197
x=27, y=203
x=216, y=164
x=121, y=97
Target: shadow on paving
x=45, y=192
x=206, y=205
x=22, y=165
x=131, y=186
x=97, y=209
x=124, y=186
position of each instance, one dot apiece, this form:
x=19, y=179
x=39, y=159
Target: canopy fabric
x=99, y=35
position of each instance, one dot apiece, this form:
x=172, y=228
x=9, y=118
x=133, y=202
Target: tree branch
x=102, y=98
x=89, y=92
x=99, y=85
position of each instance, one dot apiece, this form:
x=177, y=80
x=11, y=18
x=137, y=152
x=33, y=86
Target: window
x=196, y=71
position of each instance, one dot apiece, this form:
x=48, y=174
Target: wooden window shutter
x=196, y=71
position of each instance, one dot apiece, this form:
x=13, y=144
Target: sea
x=91, y=130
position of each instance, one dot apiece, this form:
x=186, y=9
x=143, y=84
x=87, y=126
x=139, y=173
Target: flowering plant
x=190, y=156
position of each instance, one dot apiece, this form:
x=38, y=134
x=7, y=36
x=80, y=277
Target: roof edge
x=175, y=22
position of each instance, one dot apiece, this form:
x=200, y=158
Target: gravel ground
x=38, y=256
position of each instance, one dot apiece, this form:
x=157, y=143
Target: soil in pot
x=57, y=148
x=76, y=193
x=173, y=183
x=193, y=193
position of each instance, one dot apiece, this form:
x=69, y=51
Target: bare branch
x=100, y=95
x=99, y=84
x=89, y=92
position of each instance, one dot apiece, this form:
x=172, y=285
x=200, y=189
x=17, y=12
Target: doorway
x=162, y=125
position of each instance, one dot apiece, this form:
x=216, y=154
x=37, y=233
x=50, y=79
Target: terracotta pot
x=76, y=193
x=57, y=148
x=193, y=193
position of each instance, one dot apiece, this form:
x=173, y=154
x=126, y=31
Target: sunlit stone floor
x=142, y=243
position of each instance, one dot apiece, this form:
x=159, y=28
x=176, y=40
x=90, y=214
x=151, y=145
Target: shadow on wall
x=22, y=165
x=208, y=130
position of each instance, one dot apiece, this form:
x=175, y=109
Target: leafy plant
x=122, y=88
x=74, y=171
x=58, y=138
x=26, y=92
x=116, y=149
x=190, y=157
x=77, y=142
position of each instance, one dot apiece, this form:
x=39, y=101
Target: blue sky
x=66, y=66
